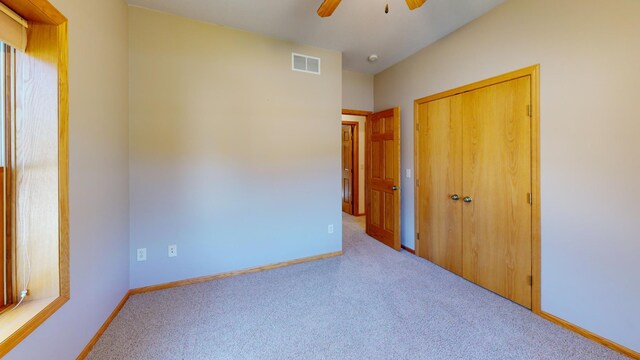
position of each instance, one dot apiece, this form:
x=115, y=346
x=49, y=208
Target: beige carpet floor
x=370, y=303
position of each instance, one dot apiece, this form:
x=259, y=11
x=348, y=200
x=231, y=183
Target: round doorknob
x=467, y=199
x=455, y=197
x=394, y=188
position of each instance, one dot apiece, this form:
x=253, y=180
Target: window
x=34, y=269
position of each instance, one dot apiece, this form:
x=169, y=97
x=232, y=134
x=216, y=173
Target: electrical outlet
x=142, y=254
x=330, y=229
x=173, y=250
x=408, y=172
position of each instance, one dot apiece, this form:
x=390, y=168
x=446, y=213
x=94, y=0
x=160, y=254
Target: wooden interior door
x=347, y=169
x=382, y=185
x=496, y=188
x=439, y=201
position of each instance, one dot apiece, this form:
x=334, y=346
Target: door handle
x=455, y=197
x=394, y=188
x=467, y=199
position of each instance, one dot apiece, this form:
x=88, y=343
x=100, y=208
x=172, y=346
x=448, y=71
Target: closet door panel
x=440, y=176
x=497, y=179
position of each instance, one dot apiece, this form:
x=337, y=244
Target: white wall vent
x=305, y=63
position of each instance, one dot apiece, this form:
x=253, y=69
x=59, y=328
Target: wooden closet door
x=497, y=180
x=439, y=146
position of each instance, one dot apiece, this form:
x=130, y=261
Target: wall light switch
x=330, y=229
x=173, y=250
x=142, y=254
x=408, y=172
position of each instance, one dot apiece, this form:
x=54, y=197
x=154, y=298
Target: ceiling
x=358, y=28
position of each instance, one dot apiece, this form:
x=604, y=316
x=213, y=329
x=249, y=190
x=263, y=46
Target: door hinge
x=417, y=182
x=529, y=110
x=417, y=126
x=530, y=280
x=418, y=236
x=530, y=198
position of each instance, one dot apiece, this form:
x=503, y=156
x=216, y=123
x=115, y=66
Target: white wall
x=361, y=120
x=357, y=91
x=588, y=51
x=98, y=183
x=234, y=157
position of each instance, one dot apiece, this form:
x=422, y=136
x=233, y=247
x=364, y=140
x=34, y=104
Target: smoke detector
x=372, y=58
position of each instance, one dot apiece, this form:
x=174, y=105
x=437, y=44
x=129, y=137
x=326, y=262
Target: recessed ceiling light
x=372, y=58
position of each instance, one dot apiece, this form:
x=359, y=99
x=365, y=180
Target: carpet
x=370, y=303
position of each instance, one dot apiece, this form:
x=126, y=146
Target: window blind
x=13, y=28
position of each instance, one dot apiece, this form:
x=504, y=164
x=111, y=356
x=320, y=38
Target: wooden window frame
x=47, y=46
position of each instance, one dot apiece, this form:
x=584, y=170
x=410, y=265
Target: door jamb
x=534, y=73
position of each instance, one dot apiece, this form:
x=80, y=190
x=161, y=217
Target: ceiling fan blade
x=327, y=7
x=414, y=4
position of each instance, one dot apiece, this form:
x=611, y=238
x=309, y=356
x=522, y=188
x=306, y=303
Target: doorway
x=375, y=183
x=353, y=161
x=382, y=180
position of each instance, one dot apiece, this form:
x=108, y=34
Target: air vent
x=304, y=63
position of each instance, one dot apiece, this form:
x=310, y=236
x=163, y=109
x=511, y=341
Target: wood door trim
x=416, y=179
x=536, y=236
x=398, y=196
x=356, y=112
x=534, y=73
x=355, y=179
x=528, y=71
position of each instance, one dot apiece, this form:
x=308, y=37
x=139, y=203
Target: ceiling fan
x=328, y=6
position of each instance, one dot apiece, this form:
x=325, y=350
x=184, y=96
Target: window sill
x=16, y=324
